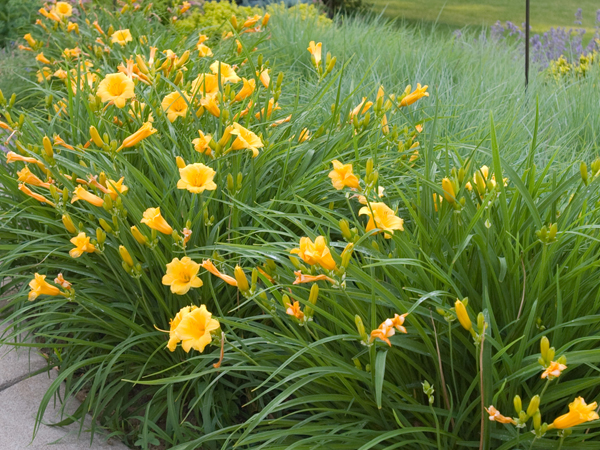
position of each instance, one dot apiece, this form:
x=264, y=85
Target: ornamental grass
x=221, y=246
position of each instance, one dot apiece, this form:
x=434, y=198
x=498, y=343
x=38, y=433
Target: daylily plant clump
x=258, y=254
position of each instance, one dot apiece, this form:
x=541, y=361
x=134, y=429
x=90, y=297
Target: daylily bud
x=285, y=300
x=449, y=193
x=241, y=279
x=254, y=278
x=347, y=254
x=230, y=185
x=552, y=233
x=104, y=224
x=48, y=147
x=126, y=256
x=181, y=61
x=68, y=223
x=180, y=162
x=550, y=354
x=96, y=136
x=480, y=323
x=141, y=64
x=518, y=404
x=360, y=328
x=480, y=182
x=138, y=236
x=345, y=229
x=234, y=21
x=534, y=405
x=537, y=420
x=314, y=294
x=584, y=172
x=462, y=315
x=178, y=78
x=100, y=235
x=544, y=347
x=331, y=65
x=369, y=167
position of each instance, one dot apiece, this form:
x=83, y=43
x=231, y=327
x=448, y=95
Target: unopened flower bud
x=534, y=406
x=314, y=294
x=105, y=225
x=360, y=328
x=48, y=147
x=180, y=162
x=100, y=235
x=241, y=279
x=518, y=404
x=68, y=223
x=544, y=347
x=584, y=172
x=462, y=315
x=345, y=229
x=126, y=256
x=138, y=236
x=96, y=136
x=449, y=193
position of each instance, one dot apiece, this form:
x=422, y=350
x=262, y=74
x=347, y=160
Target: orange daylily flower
x=210, y=267
x=40, y=198
x=303, y=278
x=495, y=416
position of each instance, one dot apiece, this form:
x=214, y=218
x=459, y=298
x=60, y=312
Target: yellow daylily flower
x=315, y=51
x=245, y=139
x=154, y=219
x=579, y=412
x=264, y=78
x=145, y=131
x=205, y=84
x=116, y=88
x=227, y=72
x=195, y=328
x=41, y=58
x=201, y=144
x=196, y=178
x=39, y=286
x=315, y=252
x=204, y=51
x=121, y=37
x=174, y=323
x=382, y=216
x=82, y=244
x=247, y=89
x=182, y=275
x=175, y=105
x=412, y=97
x=62, y=9
x=116, y=187
x=342, y=176
x=81, y=194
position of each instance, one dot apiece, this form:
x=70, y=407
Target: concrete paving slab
x=20, y=403
x=16, y=363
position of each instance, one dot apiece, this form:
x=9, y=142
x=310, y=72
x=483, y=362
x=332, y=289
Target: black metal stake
x=526, y=43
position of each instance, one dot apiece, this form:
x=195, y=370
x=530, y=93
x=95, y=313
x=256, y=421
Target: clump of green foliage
x=212, y=15
x=16, y=18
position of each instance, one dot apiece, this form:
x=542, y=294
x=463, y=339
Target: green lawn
x=544, y=14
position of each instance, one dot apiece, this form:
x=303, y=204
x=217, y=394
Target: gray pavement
x=24, y=379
